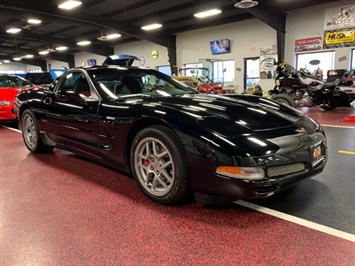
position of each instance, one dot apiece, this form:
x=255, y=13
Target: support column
x=172, y=54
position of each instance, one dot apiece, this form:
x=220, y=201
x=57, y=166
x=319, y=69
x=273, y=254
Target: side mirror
x=67, y=94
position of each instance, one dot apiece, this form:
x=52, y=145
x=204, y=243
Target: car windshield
x=115, y=83
x=13, y=82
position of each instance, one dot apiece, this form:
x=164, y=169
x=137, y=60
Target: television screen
x=91, y=62
x=220, y=46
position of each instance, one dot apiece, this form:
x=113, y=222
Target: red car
x=9, y=87
x=212, y=88
x=201, y=83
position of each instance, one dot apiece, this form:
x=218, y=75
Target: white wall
x=81, y=58
x=22, y=67
x=308, y=23
x=13, y=66
x=56, y=64
x=145, y=48
x=139, y=49
x=193, y=45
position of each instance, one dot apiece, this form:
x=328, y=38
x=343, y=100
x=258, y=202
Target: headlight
x=249, y=173
x=5, y=103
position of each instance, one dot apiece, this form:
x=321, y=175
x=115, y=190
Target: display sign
x=339, y=17
x=155, y=54
x=339, y=38
x=309, y=44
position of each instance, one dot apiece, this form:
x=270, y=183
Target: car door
x=70, y=113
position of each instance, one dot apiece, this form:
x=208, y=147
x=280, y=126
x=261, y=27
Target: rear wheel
x=327, y=107
x=159, y=165
x=285, y=99
x=31, y=135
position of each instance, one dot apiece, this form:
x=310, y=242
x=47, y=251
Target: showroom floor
x=60, y=209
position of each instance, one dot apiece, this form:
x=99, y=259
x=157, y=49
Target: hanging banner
x=339, y=38
x=339, y=17
x=309, y=44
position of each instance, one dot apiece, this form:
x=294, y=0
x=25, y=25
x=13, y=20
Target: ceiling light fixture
x=70, y=4
x=17, y=58
x=246, y=4
x=34, y=21
x=28, y=56
x=208, y=13
x=43, y=52
x=61, y=48
x=109, y=37
x=83, y=43
x=13, y=30
x=152, y=26
x=6, y=61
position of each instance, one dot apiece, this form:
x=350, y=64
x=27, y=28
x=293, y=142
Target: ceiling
x=101, y=17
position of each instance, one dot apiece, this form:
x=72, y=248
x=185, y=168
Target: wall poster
x=339, y=38
x=268, y=62
x=339, y=17
x=309, y=44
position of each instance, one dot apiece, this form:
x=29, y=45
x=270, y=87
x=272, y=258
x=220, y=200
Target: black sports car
x=172, y=139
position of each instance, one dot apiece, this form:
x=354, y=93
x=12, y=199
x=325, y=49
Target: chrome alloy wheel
x=154, y=166
x=29, y=131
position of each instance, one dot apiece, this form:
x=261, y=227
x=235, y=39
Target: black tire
x=31, y=135
x=285, y=99
x=327, y=107
x=159, y=165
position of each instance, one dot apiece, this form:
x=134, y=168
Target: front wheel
x=31, y=135
x=327, y=107
x=285, y=99
x=159, y=165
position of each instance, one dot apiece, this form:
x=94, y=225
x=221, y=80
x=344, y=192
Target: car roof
x=111, y=67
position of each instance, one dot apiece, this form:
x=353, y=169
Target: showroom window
x=190, y=70
x=322, y=62
x=352, y=63
x=223, y=71
x=219, y=71
x=164, y=69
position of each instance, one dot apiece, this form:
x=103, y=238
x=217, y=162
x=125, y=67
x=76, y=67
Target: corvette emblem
x=301, y=130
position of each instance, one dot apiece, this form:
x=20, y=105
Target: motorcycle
x=347, y=83
x=307, y=89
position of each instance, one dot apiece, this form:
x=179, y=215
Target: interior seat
x=82, y=87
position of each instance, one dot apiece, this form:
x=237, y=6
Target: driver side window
x=75, y=83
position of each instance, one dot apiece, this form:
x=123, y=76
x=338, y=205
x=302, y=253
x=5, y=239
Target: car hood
x=230, y=114
x=8, y=93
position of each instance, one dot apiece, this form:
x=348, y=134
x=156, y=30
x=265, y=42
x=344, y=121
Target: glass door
x=251, y=72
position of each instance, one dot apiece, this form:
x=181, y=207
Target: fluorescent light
x=29, y=56
x=207, y=13
x=70, y=4
x=17, y=58
x=83, y=43
x=6, y=61
x=61, y=48
x=43, y=52
x=34, y=21
x=152, y=26
x=13, y=30
x=113, y=36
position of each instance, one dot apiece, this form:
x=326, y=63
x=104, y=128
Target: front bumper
x=281, y=172
x=232, y=189
x=7, y=113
